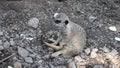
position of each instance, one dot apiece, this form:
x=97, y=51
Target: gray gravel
x=34, y=19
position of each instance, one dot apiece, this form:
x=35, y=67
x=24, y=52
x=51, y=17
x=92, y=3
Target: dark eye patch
x=57, y=21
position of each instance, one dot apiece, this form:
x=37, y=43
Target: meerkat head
x=61, y=19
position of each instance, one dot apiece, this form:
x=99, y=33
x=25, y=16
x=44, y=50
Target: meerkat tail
x=53, y=46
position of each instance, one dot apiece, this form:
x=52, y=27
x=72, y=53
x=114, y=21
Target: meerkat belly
x=77, y=43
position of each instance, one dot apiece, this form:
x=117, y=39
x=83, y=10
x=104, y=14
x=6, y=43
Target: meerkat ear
x=66, y=22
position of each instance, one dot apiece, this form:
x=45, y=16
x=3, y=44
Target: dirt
x=95, y=16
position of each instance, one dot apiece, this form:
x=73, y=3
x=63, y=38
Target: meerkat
x=71, y=38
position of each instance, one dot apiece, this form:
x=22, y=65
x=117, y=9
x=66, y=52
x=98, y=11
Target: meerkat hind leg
x=58, y=53
x=53, y=46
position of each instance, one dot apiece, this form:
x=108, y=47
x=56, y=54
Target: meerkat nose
x=55, y=15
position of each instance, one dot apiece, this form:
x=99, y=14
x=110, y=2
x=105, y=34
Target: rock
x=15, y=58
x=105, y=49
x=12, y=42
x=51, y=66
x=93, y=53
x=78, y=59
x=28, y=60
x=87, y=51
x=1, y=47
x=112, y=28
x=71, y=65
x=40, y=62
x=92, y=18
x=6, y=44
x=33, y=22
x=1, y=42
x=81, y=66
x=23, y=52
x=10, y=67
x=1, y=33
x=32, y=55
x=98, y=66
x=17, y=65
x=117, y=38
x=114, y=52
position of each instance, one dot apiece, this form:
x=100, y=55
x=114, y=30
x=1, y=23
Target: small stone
x=98, y=66
x=112, y=28
x=28, y=60
x=17, y=65
x=87, y=51
x=12, y=42
x=105, y=49
x=1, y=42
x=32, y=55
x=81, y=66
x=33, y=22
x=23, y=52
x=114, y=52
x=71, y=65
x=93, y=53
x=6, y=45
x=78, y=59
x=51, y=66
x=10, y=67
x=1, y=33
x=117, y=38
x=92, y=18
x=40, y=62
x=1, y=47
x=14, y=58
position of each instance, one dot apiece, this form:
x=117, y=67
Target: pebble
x=12, y=42
x=33, y=22
x=1, y=47
x=23, y=52
x=1, y=33
x=1, y=42
x=15, y=58
x=10, y=67
x=114, y=52
x=87, y=51
x=71, y=65
x=40, y=62
x=78, y=59
x=93, y=53
x=112, y=28
x=105, y=49
x=6, y=44
x=98, y=66
x=28, y=59
x=51, y=66
x=92, y=18
x=17, y=65
x=117, y=38
x=32, y=55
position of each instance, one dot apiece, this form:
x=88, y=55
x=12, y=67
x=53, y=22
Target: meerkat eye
x=57, y=21
x=66, y=22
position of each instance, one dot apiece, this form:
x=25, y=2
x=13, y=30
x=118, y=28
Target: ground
x=95, y=16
